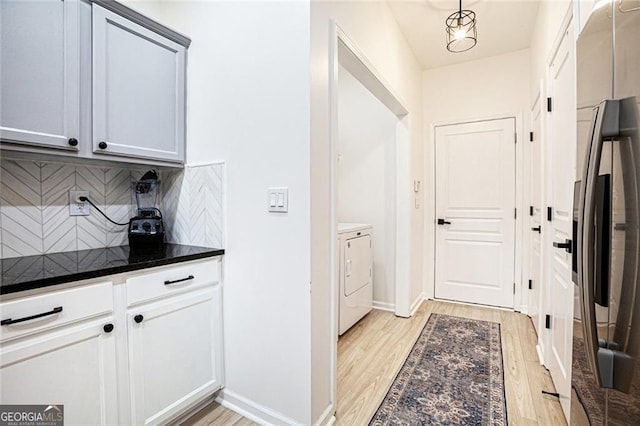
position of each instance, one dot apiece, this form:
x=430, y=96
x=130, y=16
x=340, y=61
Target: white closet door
x=560, y=174
x=475, y=205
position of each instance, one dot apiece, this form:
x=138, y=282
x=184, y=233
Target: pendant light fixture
x=461, y=30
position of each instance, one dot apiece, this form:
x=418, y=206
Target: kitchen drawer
x=172, y=280
x=54, y=309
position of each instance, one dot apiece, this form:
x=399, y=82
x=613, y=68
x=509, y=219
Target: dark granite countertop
x=32, y=272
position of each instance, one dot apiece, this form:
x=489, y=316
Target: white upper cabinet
x=39, y=73
x=91, y=79
x=138, y=90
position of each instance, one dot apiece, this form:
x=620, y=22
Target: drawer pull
x=190, y=277
x=10, y=321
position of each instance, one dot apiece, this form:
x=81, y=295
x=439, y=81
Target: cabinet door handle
x=102, y=145
x=190, y=277
x=138, y=318
x=566, y=245
x=73, y=142
x=108, y=328
x=10, y=321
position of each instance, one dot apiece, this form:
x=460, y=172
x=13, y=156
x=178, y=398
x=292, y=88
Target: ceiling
x=503, y=26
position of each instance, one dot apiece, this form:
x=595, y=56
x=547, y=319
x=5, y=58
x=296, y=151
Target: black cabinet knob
x=102, y=145
x=138, y=318
x=108, y=328
x=73, y=142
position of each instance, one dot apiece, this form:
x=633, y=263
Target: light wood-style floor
x=372, y=352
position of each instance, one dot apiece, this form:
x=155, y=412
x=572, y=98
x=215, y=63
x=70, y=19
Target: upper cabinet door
x=39, y=73
x=138, y=90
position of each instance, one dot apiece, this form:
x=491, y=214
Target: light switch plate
x=278, y=200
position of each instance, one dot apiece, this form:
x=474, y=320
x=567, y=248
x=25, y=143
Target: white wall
x=487, y=87
x=370, y=25
x=248, y=104
x=366, y=176
x=492, y=87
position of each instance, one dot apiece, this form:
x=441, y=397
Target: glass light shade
x=461, y=31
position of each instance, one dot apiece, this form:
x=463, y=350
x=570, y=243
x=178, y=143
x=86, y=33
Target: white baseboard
x=524, y=309
x=252, y=410
x=384, y=306
x=416, y=304
x=327, y=418
x=540, y=356
x=193, y=410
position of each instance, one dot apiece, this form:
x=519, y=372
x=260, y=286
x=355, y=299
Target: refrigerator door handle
x=605, y=124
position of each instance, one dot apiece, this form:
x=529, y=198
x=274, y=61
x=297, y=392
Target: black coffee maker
x=146, y=229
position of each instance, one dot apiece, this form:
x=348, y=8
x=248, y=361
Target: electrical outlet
x=77, y=207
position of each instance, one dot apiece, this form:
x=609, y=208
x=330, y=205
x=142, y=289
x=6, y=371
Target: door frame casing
x=546, y=338
x=430, y=199
x=542, y=140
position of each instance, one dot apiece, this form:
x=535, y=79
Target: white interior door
x=475, y=211
x=560, y=173
x=535, y=214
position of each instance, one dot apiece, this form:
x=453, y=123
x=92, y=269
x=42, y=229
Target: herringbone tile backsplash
x=192, y=202
x=34, y=206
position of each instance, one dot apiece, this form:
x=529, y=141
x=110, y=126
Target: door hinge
x=549, y=214
x=515, y=213
x=531, y=210
x=547, y=321
x=549, y=105
x=530, y=284
x=514, y=288
x=530, y=136
x=515, y=138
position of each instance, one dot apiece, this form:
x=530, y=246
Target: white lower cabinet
x=45, y=361
x=174, y=343
x=74, y=368
x=159, y=355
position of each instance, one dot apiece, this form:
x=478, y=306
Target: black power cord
x=83, y=198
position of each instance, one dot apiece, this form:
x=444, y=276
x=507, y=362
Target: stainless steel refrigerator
x=606, y=342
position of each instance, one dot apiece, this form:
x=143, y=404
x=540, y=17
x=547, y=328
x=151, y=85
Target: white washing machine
x=355, y=273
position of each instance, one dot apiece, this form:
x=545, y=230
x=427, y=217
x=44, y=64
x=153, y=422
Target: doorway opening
x=370, y=181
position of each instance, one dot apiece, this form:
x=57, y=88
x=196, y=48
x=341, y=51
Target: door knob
x=537, y=229
x=443, y=222
x=566, y=245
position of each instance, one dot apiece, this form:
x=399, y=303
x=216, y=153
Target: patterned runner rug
x=452, y=376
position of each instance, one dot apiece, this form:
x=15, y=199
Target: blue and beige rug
x=452, y=376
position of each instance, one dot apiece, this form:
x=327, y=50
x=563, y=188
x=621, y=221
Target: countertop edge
x=79, y=276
